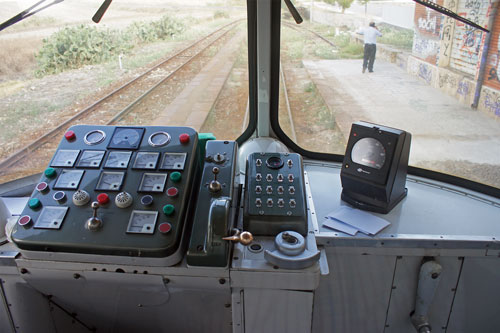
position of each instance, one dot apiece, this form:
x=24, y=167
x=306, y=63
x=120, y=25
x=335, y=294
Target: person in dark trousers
x=370, y=37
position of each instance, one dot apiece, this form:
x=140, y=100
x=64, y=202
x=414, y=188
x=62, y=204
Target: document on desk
x=360, y=220
x=340, y=226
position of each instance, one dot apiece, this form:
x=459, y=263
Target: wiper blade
x=27, y=13
x=449, y=13
x=100, y=12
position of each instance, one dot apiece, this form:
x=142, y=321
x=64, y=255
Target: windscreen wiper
x=295, y=13
x=27, y=13
x=449, y=13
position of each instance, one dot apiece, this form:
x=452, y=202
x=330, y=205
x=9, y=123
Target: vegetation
x=398, y=37
x=73, y=47
x=344, y=4
x=347, y=48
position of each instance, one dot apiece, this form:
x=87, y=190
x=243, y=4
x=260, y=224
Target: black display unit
x=374, y=169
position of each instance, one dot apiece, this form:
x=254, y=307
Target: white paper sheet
x=339, y=226
x=363, y=221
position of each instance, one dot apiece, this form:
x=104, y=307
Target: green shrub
x=145, y=32
x=77, y=46
x=221, y=14
x=402, y=38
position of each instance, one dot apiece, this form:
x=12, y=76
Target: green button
x=34, y=203
x=176, y=176
x=50, y=172
x=168, y=209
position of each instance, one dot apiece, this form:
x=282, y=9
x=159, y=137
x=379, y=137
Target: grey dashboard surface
x=433, y=214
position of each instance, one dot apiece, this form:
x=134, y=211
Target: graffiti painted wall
x=468, y=41
x=492, y=75
x=426, y=40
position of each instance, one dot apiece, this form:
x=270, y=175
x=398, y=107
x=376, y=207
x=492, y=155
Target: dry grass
x=18, y=58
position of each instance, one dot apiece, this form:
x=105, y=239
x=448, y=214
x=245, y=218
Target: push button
x=59, y=196
x=42, y=187
x=102, y=199
x=269, y=177
x=269, y=189
x=147, y=200
x=292, y=203
x=290, y=178
x=184, y=138
x=279, y=178
x=291, y=189
x=258, y=189
x=258, y=162
x=176, y=176
x=70, y=135
x=270, y=202
x=281, y=202
x=168, y=209
x=172, y=192
x=34, y=203
x=50, y=172
x=24, y=220
x=281, y=190
x=258, y=177
x=165, y=228
x=258, y=203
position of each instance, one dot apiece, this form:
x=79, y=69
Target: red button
x=70, y=135
x=165, y=228
x=102, y=198
x=172, y=191
x=184, y=138
x=42, y=187
x=24, y=220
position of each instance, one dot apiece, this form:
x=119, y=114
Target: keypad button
x=258, y=202
x=258, y=189
x=291, y=189
x=269, y=177
x=270, y=202
x=281, y=190
x=281, y=202
x=258, y=177
x=258, y=162
x=279, y=178
x=290, y=178
x=292, y=203
x=269, y=189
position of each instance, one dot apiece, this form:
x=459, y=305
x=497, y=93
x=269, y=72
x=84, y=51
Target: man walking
x=370, y=37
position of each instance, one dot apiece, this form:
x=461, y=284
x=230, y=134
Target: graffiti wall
x=468, y=41
x=426, y=39
x=492, y=75
x=490, y=102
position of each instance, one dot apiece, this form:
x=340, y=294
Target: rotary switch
x=123, y=200
x=81, y=198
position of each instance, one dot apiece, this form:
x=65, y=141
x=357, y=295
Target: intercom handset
x=275, y=199
x=215, y=207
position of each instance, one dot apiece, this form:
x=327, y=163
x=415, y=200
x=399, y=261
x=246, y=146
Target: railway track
x=112, y=107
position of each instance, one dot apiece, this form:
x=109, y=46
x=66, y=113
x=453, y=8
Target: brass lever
x=244, y=237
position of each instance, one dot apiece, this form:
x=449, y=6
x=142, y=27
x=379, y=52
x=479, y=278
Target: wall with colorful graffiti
x=426, y=39
x=492, y=74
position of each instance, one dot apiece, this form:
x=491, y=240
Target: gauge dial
x=153, y=182
x=51, y=217
x=146, y=160
x=274, y=162
x=94, y=137
x=368, y=152
x=159, y=139
x=69, y=179
x=91, y=159
x=110, y=181
x=142, y=222
x=173, y=161
x=126, y=138
x=65, y=158
x=118, y=159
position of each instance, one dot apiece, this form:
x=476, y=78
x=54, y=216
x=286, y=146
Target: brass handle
x=244, y=237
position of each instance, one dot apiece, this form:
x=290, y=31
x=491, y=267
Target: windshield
x=185, y=63
x=402, y=65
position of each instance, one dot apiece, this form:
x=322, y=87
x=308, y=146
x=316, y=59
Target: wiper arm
x=27, y=13
x=295, y=13
x=100, y=12
x=447, y=12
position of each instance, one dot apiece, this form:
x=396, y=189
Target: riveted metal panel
x=476, y=307
x=355, y=296
x=404, y=293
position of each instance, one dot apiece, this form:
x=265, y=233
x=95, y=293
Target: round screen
x=369, y=152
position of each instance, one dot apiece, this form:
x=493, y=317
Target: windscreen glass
x=159, y=63
x=397, y=64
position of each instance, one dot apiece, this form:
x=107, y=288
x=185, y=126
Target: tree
x=365, y=3
x=344, y=4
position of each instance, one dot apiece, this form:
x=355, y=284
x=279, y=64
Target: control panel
x=109, y=190
x=274, y=194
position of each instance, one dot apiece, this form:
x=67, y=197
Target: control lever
x=244, y=237
x=215, y=185
x=94, y=223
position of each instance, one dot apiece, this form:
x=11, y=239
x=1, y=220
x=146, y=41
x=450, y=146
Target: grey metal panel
x=432, y=213
x=476, y=307
x=355, y=296
x=6, y=323
x=29, y=308
x=405, y=288
x=122, y=302
x=274, y=311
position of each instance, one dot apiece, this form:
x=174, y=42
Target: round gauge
x=118, y=159
x=142, y=222
x=159, y=139
x=65, y=158
x=368, y=152
x=110, y=181
x=91, y=159
x=69, y=179
x=126, y=136
x=94, y=137
x=153, y=182
x=146, y=160
x=274, y=162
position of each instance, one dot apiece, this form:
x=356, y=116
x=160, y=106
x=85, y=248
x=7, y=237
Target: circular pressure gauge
x=159, y=139
x=126, y=136
x=368, y=152
x=94, y=137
